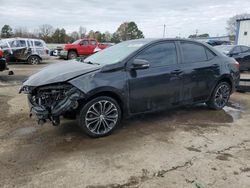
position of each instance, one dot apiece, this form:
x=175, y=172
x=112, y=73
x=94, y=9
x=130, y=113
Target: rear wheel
x=220, y=96
x=72, y=55
x=34, y=60
x=100, y=116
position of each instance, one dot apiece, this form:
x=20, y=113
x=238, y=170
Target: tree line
x=126, y=31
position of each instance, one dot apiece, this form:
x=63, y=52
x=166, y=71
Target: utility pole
x=196, y=33
x=164, y=30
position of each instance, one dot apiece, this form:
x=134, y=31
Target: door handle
x=176, y=72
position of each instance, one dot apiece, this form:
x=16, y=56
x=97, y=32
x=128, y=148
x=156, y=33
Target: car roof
x=153, y=40
x=20, y=38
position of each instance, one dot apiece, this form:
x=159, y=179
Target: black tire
x=72, y=55
x=99, y=117
x=34, y=60
x=220, y=96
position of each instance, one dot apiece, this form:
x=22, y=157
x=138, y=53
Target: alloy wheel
x=222, y=95
x=101, y=117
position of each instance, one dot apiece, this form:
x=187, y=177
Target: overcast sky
x=182, y=17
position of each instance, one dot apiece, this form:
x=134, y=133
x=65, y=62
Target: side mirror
x=140, y=64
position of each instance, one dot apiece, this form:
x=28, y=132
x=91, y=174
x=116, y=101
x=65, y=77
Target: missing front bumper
x=53, y=113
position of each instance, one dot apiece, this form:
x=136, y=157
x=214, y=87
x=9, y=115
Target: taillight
x=1, y=53
x=47, y=51
x=236, y=64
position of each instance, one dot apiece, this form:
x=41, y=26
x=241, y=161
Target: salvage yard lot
x=175, y=148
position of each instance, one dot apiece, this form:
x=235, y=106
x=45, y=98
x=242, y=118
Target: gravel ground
x=185, y=147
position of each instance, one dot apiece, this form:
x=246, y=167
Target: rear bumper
x=3, y=64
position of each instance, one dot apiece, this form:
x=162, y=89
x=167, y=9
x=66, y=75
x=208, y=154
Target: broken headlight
x=48, y=96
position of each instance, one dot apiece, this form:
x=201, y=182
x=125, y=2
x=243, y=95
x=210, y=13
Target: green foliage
x=204, y=35
x=127, y=31
x=6, y=31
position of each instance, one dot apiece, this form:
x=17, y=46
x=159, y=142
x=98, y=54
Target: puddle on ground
x=234, y=110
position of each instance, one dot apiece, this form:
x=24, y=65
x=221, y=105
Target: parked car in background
x=218, y=42
x=55, y=51
x=238, y=52
x=32, y=51
x=3, y=64
x=81, y=47
x=129, y=78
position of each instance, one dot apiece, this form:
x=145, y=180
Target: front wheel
x=72, y=55
x=99, y=117
x=220, y=96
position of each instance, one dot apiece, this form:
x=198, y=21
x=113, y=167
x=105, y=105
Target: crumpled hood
x=60, y=72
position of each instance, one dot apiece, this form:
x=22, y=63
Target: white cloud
x=181, y=17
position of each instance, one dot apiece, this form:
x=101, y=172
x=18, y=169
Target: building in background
x=243, y=32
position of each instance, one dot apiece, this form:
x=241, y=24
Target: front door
x=158, y=86
x=84, y=47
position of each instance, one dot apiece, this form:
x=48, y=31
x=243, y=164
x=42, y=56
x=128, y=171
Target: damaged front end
x=51, y=101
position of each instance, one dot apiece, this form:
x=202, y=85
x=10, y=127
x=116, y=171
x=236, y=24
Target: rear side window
x=244, y=48
x=160, y=54
x=22, y=43
x=38, y=44
x=210, y=55
x=192, y=53
x=237, y=50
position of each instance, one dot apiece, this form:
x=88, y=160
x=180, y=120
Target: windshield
x=116, y=53
x=77, y=41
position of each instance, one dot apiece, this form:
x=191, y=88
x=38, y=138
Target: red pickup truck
x=81, y=47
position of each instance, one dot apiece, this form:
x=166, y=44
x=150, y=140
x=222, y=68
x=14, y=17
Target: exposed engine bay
x=49, y=102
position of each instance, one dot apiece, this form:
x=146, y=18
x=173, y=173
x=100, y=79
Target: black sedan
x=130, y=78
x=238, y=52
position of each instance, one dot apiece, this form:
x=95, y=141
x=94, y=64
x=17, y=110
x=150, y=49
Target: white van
x=32, y=51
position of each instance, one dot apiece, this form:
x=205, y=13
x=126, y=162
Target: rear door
x=200, y=71
x=158, y=86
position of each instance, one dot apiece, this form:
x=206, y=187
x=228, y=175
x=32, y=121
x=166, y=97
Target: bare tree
x=22, y=32
x=45, y=31
x=231, y=23
x=74, y=35
x=82, y=31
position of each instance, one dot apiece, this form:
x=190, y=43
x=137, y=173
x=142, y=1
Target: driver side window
x=85, y=43
x=162, y=54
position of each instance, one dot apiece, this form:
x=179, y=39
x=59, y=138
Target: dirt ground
x=185, y=147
